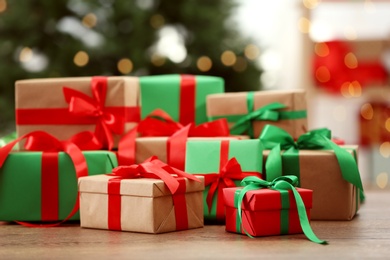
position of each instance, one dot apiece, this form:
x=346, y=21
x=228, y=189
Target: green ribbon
x=276, y=139
x=282, y=184
x=7, y=139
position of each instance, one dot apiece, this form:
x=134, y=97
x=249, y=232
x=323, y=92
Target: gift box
x=64, y=107
x=183, y=97
x=140, y=203
x=36, y=186
x=249, y=112
x=223, y=163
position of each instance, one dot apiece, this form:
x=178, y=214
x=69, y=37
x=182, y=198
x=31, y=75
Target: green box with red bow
x=223, y=163
x=249, y=112
x=63, y=107
x=183, y=97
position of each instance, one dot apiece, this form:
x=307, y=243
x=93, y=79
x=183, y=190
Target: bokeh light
x=311, y=4
x=351, y=61
x=204, y=63
x=240, y=65
x=228, y=58
x=321, y=49
x=382, y=179
x=81, y=59
x=125, y=66
x=157, y=60
x=251, y=51
x=322, y=74
x=3, y=5
x=304, y=25
x=384, y=149
x=89, y=20
x=366, y=111
x=157, y=21
x=25, y=54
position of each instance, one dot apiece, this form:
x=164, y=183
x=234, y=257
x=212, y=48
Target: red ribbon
x=50, y=146
x=84, y=110
x=154, y=169
x=229, y=170
x=187, y=99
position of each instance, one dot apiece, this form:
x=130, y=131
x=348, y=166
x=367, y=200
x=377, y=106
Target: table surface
x=366, y=236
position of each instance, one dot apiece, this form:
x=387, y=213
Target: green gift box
x=22, y=184
x=183, y=97
x=223, y=163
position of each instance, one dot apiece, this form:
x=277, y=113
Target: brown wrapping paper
x=48, y=93
x=333, y=197
x=236, y=104
x=146, y=204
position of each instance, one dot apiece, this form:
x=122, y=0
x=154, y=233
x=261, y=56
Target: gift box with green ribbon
x=223, y=164
x=183, y=97
x=249, y=112
x=263, y=208
x=331, y=171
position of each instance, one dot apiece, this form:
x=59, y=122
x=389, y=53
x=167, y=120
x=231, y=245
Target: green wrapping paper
x=20, y=183
x=209, y=157
x=166, y=92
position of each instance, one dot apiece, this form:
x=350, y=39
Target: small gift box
x=264, y=208
x=183, y=97
x=223, y=163
x=150, y=197
x=64, y=107
x=249, y=112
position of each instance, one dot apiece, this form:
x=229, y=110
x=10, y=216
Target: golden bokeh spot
x=384, y=149
x=387, y=124
x=345, y=89
x=228, y=58
x=355, y=89
x=366, y=111
x=204, y=63
x=157, y=20
x=322, y=74
x=311, y=4
x=382, y=179
x=125, y=66
x=351, y=61
x=81, y=58
x=321, y=49
x=304, y=25
x=25, y=54
x=251, y=51
x=240, y=65
x=157, y=60
x=89, y=20
x=3, y=5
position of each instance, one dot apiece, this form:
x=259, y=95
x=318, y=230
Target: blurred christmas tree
x=63, y=38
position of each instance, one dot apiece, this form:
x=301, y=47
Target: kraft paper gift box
x=226, y=160
x=27, y=189
x=183, y=97
x=64, y=107
x=140, y=205
x=249, y=112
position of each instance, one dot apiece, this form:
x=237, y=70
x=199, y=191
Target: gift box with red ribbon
x=223, y=163
x=183, y=97
x=248, y=112
x=150, y=197
x=63, y=107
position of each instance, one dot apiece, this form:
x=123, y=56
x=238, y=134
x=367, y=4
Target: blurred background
x=338, y=51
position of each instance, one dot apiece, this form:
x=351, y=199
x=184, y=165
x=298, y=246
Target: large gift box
x=183, y=97
x=140, y=201
x=64, y=107
x=223, y=163
x=36, y=186
x=249, y=112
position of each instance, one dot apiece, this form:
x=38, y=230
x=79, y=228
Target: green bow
x=276, y=140
x=281, y=184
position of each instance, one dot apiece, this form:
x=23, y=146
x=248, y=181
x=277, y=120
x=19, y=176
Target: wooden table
x=366, y=236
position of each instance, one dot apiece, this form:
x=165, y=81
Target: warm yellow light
x=89, y=20
x=321, y=49
x=125, y=66
x=304, y=25
x=311, y=4
x=384, y=149
x=25, y=54
x=157, y=20
x=387, y=124
x=204, y=63
x=351, y=61
x=322, y=74
x=157, y=60
x=345, y=89
x=81, y=58
x=240, y=65
x=355, y=89
x=366, y=111
x=382, y=179
x=228, y=58
x=3, y=5
x=251, y=51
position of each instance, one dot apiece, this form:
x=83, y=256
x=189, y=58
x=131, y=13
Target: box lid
x=266, y=199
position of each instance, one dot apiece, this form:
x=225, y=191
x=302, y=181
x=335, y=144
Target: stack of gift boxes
x=171, y=152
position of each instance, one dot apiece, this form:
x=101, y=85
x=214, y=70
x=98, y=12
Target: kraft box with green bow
x=331, y=171
x=223, y=163
x=249, y=112
x=183, y=97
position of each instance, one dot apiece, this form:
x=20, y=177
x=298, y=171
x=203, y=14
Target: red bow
x=94, y=109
